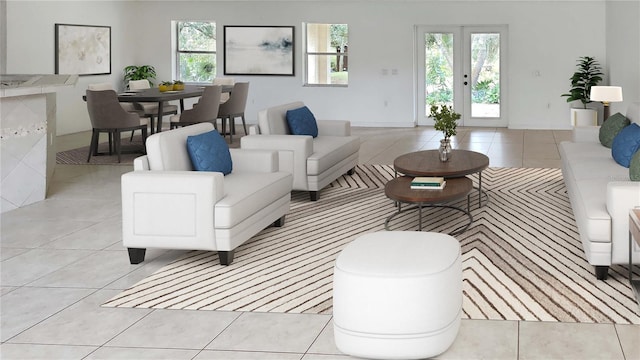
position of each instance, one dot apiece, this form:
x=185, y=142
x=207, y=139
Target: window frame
x=308, y=53
x=178, y=52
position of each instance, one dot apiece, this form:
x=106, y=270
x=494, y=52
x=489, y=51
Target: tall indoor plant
x=588, y=74
x=135, y=72
x=445, y=120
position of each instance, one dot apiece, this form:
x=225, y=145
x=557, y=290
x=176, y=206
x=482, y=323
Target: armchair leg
x=314, y=195
x=136, y=255
x=602, y=272
x=351, y=171
x=226, y=257
x=279, y=222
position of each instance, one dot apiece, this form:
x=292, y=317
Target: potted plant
x=165, y=86
x=445, y=120
x=134, y=72
x=589, y=74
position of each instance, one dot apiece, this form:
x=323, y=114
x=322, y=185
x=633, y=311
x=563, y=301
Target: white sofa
x=167, y=205
x=601, y=195
x=314, y=162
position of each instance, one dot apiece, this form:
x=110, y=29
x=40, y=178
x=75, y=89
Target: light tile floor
x=61, y=258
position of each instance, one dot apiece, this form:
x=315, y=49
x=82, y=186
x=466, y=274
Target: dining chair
x=107, y=116
x=234, y=108
x=206, y=109
x=129, y=107
x=150, y=109
x=224, y=81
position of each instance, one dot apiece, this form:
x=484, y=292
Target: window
x=326, y=54
x=196, y=51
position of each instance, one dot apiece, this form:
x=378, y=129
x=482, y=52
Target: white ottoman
x=397, y=295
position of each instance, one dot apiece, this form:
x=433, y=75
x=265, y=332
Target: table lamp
x=606, y=94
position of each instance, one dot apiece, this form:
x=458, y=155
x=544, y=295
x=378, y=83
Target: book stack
x=428, y=183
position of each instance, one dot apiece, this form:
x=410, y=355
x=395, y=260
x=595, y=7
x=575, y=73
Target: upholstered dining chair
x=206, y=110
x=234, y=108
x=224, y=81
x=150, y=109
x=107, y=116
x=129, y=107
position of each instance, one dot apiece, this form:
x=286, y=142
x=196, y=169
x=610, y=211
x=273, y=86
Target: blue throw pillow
x=209, y=152
x=625, y=144
x=302, y=122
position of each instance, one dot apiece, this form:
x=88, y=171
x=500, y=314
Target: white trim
x=406, y=124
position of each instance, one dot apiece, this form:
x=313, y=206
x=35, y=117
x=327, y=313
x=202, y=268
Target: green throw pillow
x=634, y=167
x=611, y=128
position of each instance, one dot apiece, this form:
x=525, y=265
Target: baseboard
x=407, y=124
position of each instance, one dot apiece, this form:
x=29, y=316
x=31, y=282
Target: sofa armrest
x=586, y=134
x=334, y=127
x=293, y=151
x=159, y=207
x=141, y=163
x=622, y=196
x=254, y=160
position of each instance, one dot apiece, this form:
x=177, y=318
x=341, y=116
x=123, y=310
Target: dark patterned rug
x=522, y=257
x=79, y=156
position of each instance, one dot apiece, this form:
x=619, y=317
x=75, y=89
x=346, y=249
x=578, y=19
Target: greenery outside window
x=196, y=51
x=326, y=54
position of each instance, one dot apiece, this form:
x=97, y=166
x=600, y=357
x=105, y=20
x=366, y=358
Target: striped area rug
x=522, y=257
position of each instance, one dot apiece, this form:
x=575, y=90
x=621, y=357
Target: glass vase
x=445, y=149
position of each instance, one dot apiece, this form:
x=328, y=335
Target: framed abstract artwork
x=259, y=50
x=83, y=49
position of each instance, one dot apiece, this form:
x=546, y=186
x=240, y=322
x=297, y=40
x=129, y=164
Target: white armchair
x=167, y=205
x=314, y=162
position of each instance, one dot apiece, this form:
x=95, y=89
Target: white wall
x=31, y=47
x=623, y=51
x=542, y=38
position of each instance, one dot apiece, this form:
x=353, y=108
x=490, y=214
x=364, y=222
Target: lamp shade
x=606, y=93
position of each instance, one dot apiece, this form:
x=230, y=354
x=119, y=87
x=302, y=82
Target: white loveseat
x=601, y=195
x=167, y=205
x=314, y=162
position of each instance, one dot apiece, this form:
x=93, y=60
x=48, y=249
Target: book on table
x=434, y=181
x=428, y=187
x=428, y=183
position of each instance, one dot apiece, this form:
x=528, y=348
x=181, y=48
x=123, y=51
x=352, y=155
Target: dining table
x=155, y=95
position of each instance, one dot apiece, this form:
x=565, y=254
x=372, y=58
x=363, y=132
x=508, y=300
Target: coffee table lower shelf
x=399, y=190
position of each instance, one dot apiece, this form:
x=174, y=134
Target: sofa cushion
x=167, y=150
x=610, y=128
x=273, y=121
x=302, y=122
x=243, y=198
x=625, y=144
x=329, y=151
x=634, y=167
x=209, y=152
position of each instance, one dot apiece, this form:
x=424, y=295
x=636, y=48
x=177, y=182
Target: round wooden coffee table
x=427, y=163
x=399, y=190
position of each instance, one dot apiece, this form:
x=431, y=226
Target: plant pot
x=164, y=88
x=584, y=117
x=445, y=150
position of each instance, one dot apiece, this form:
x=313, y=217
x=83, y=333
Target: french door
x=465, y=67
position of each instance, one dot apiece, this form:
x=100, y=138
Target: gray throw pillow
x=634, y=167
x=611, y=127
